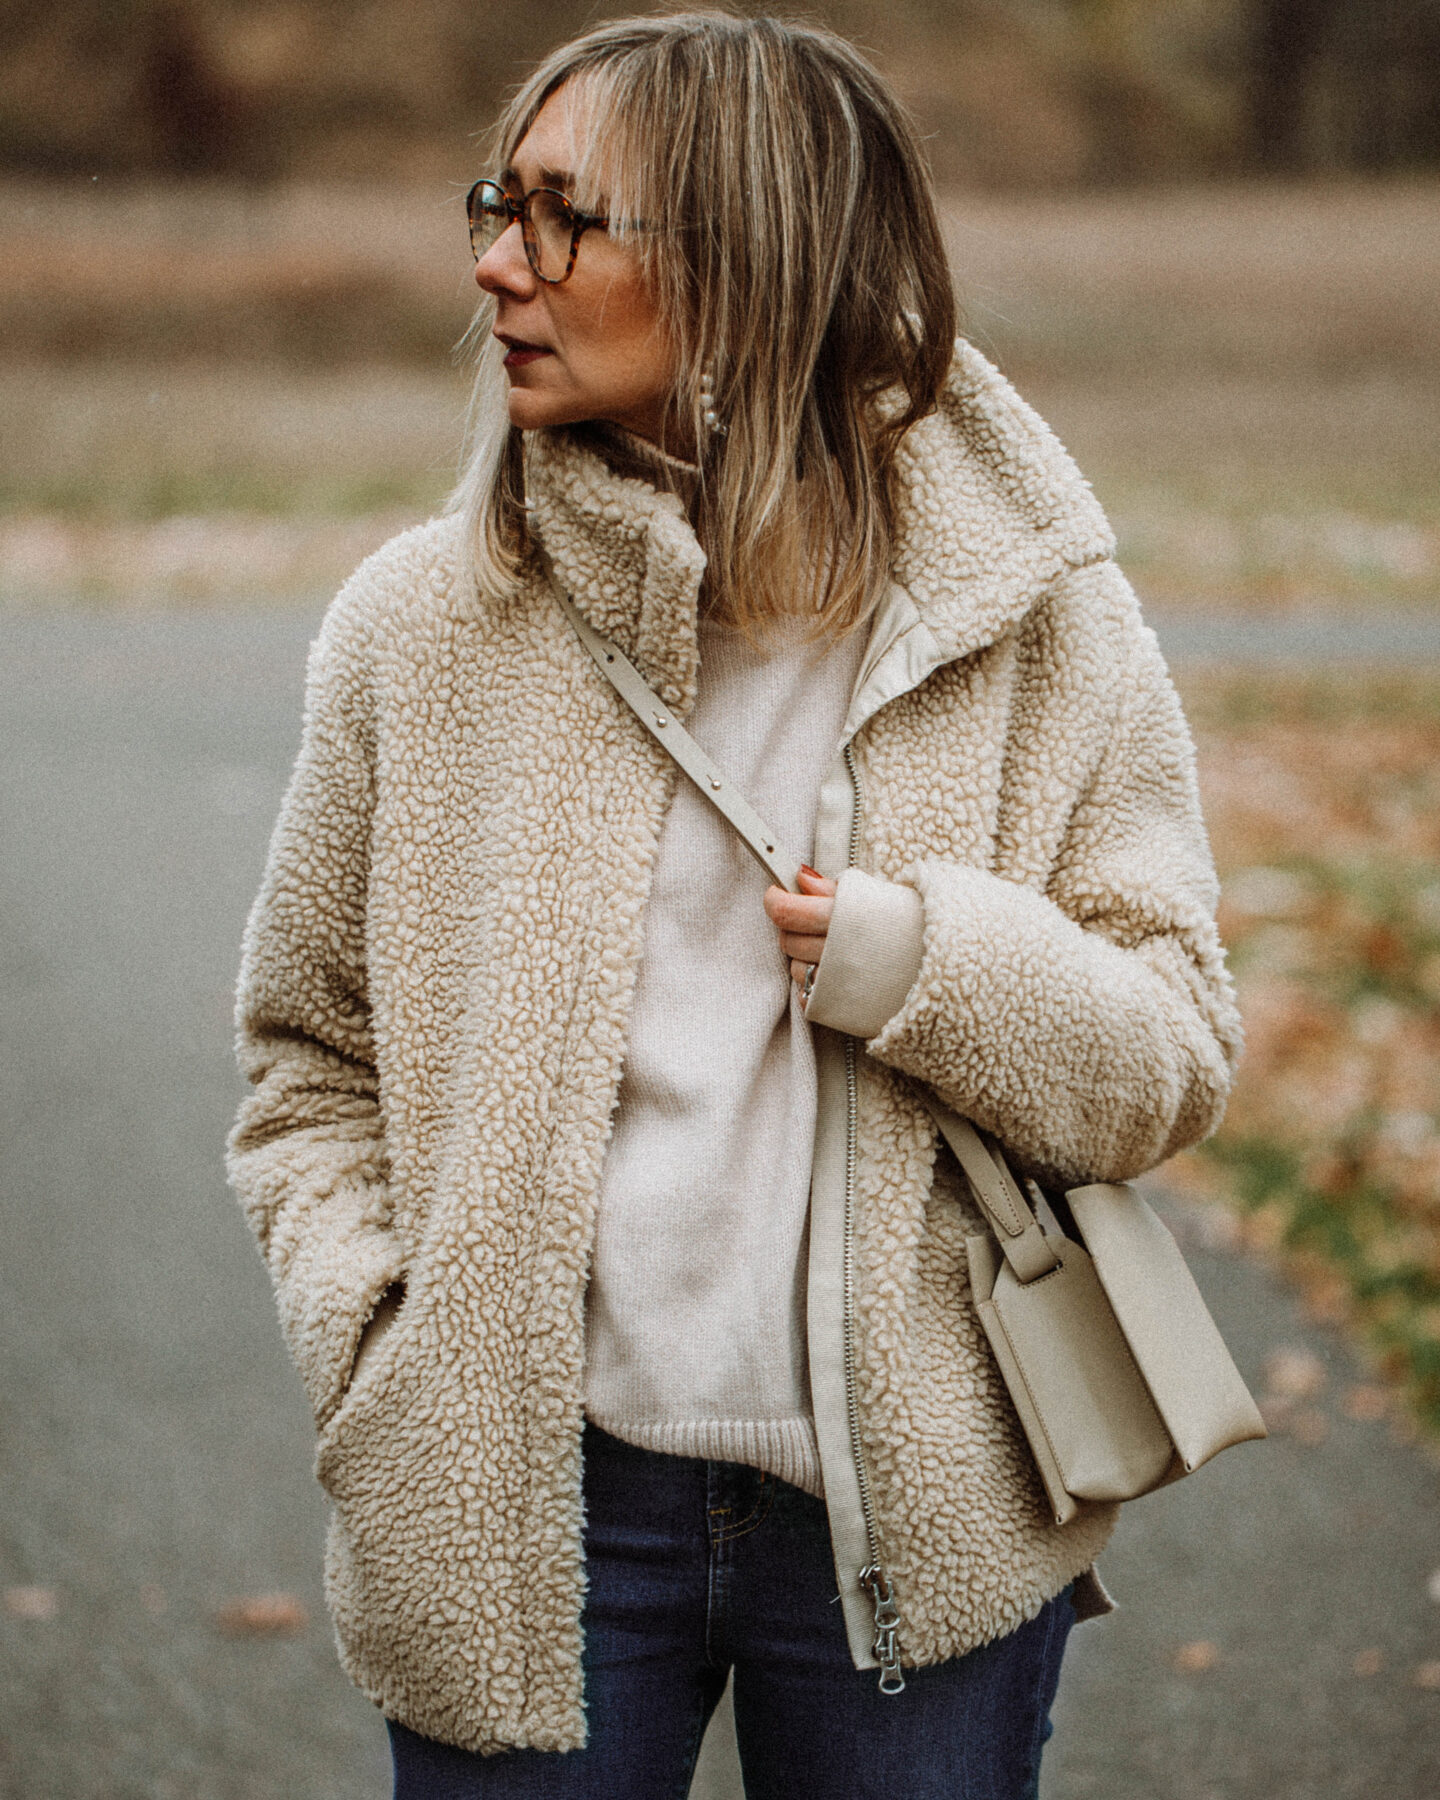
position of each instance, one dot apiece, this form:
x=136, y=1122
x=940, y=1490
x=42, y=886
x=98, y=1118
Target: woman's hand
x=802, y=919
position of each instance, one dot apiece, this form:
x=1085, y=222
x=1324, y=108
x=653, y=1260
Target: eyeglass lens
x=547, y=222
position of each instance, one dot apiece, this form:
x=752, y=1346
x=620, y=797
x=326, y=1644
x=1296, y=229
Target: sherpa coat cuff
x=872, y=955
x=1020, y=1017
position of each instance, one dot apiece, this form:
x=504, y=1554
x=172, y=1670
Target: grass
x=211, y=273
x=1323, y=796
x=127, y=483
x=121, y=440
x=1266, y=494
x=1249, y=375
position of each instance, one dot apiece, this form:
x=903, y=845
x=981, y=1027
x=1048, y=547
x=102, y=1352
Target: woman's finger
x=802, y=949
x=799, y=912
x=813, y=882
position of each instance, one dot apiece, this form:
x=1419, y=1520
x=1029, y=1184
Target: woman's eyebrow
x=553, y=178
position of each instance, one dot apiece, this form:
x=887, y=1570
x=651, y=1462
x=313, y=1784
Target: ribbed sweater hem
x=783, y=1447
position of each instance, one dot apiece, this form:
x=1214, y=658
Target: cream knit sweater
x=695, y=1328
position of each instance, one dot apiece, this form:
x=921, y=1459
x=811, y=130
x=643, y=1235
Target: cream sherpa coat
x=433, y=1005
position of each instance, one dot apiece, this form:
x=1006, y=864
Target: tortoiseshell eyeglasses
x=549, y=225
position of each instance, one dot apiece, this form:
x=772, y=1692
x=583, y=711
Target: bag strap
x=1001, y=1198
x=780, y=864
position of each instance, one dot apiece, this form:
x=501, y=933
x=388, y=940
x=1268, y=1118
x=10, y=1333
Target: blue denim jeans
x=697, y=1569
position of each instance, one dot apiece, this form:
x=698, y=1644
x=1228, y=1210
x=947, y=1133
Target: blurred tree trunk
x=190, y=112
x=1398, y=84
x=1288, y=36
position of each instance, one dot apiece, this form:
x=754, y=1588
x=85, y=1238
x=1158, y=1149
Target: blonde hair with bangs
x=789, y=234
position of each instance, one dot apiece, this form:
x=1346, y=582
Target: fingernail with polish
x=805, y=869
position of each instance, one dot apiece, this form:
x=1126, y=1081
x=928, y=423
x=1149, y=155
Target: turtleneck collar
x=623, y=546
x=636, y=457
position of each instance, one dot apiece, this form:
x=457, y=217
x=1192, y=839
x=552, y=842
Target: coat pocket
x=383, y=1360
x=377, y=1328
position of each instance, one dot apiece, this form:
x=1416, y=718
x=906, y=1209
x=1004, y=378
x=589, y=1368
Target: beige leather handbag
x=1121, y=1381
x=1117, y=1371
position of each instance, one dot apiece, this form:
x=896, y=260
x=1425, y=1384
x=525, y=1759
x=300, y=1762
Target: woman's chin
x=534, y=411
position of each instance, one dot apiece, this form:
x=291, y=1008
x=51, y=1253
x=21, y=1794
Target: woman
x=604, y=1211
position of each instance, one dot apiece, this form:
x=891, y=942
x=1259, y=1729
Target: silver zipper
x=872, y=1578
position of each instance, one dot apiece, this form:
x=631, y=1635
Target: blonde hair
x=790, y=238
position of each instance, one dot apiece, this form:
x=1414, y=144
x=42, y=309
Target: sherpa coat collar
x=627, y=556
x=992, y=510
x=436, y=987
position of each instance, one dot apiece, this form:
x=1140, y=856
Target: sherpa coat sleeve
x=1079, y=1007
x=307, y=1155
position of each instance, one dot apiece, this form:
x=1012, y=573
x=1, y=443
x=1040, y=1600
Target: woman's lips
x=518, y=354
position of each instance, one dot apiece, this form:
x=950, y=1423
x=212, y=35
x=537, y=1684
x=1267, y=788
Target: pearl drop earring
x=708, y=414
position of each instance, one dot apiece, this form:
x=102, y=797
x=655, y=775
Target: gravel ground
x=157, y=1453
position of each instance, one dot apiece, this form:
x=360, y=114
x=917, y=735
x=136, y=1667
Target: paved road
x=156, y=1447
x=1308, y=637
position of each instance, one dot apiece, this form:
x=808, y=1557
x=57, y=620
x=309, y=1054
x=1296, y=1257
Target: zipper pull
x=887, y=1628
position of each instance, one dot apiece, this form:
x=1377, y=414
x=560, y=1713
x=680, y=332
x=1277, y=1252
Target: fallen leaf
x=1217, y=1229
x=1196, y=1658
x=1326, y=1299
x=1427, y=1676
x=1294, y=1374
x=1267, y=893
x=39, y=1603
x=1276, y=1411
x=1368, y=1662
x=1262, y=1231
x=262, y=1615
x=1365, y=1401
x=1324, y=1294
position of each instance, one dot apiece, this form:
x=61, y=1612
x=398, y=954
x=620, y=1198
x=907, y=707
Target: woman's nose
x=505, y=268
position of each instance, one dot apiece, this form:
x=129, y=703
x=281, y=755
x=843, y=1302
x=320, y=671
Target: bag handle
x=1019, y=1233
x=1021, y=1237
